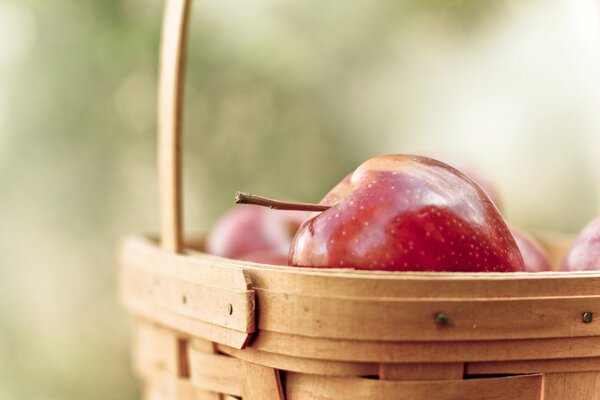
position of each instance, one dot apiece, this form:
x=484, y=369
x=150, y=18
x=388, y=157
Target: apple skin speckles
x=434, y=219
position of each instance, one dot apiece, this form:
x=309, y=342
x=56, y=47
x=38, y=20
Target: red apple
x=585, y=252
x=407, y=213
x=255, y=234
x=534, y=255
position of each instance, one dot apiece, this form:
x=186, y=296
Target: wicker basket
x=213, y=328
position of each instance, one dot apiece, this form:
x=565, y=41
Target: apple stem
x=248, y=198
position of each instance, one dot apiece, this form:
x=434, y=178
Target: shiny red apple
x=255, y=234
x=407, y=213
x=585, y=252
x=534, y=256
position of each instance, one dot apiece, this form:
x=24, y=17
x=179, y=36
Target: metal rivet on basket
x=442, y=319
x=587, y=317
x=229, y=309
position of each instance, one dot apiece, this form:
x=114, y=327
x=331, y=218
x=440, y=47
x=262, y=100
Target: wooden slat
x=231, y=376
x=310, y=281
x=414, y=319
x=206, y=347
x=203, y=345
x=170, y=108
x=301, y=364
x=312, y=387
x=389, y=320
x=142, y=252
x=459, y=351
x=217, y=373
x=152, y=392
x=162, y=385
x=164, y=288
x=155, y=348
x=421, y=371
x=572, y=386
x=261, y=383
x=534, y=366
x=155, y=360
x=204, y=302
x=183, y=364
x=189, y=326
x=344, y=282
x=333, y=314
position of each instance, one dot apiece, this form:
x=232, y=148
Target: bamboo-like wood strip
x=388, y=320
x=421, y=371
x=162, y=287
x=141, y=252
x=205, y=395
x=217, y=373
x=534, y=366
x=162, y=385
x=380, y=284
x=220, y=306
x=170, y=108
x=261, y=383
x=189, y=326
x=414, y=319
x=301, y=364
x=459, y=351
x=206, y=347
x=151, y=391
x=203, y=345
x=314, y=387
x=154, y=348
x=572, y=386
x=310, y=281
x=334, y=314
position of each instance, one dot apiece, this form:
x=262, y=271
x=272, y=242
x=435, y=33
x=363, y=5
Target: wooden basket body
x=212, y=328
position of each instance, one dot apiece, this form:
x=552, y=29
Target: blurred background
x=282, y=99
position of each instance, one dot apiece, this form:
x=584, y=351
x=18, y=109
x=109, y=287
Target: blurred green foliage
x=282, y=98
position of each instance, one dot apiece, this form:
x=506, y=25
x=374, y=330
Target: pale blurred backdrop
x=282, y=99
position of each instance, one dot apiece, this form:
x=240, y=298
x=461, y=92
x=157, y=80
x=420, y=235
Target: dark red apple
x=407, y=213
x=585, y=252
x=255, y=234
x=534, y=255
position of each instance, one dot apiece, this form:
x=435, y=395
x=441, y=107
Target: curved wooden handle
x=170, y=108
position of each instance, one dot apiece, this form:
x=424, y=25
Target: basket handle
x=170, y=109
